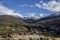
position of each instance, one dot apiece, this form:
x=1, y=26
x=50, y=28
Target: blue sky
x=36, y=8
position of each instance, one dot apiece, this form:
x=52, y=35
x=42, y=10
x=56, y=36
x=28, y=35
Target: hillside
x=11, y=24
x=49, y=25
x=6, y=19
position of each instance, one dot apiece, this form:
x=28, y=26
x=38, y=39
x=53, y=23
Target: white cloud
x=38, y=5
x=51, y=6
x=41, y=1
x=58, y=0
x=6, y=11
x=33, y=16
x=43, y=15
x=23, y=5
x=26, y=5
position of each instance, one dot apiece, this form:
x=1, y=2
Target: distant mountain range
x=6, y=19
x=52, y=16
x=49, y=23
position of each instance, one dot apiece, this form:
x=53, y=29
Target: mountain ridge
x=23, y=21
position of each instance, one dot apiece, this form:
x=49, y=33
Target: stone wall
x=29, y=37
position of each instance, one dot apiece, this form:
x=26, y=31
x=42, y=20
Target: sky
x=29, y=8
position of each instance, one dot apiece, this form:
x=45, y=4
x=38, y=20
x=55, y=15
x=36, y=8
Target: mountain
x=52, y=16
x=8, y=19
x=30, y=19
x=49, y=23
x=34, y=20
